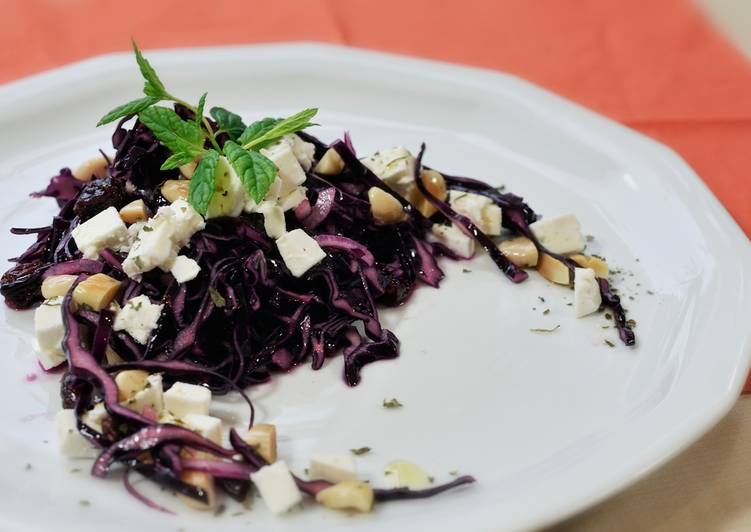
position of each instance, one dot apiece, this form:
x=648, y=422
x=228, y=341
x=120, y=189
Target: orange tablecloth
x=655, y=65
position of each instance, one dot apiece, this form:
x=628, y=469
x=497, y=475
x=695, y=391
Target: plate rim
x=715, y=408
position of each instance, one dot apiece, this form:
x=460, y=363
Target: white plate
x=548, y=423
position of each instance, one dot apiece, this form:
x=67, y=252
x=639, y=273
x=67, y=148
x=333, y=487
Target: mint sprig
x=153, y=86
x=187, y=139
x=203, y=182
x=228, y=121
x=184, y=139
x=254, y=170
x=130, y=108
x=293, y=124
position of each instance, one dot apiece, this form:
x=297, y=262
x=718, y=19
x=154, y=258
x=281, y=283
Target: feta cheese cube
x=299, y=251
x=561, y=234
x=290, y=171
x=277, y=487
x=70, y=441
x=207, y=426
x=156, y=242
x=480, y=209
x=272, y=196
x=186, y=221
x=129, y=382
x=293, y=199
x=454, y=239
x=262, y=437
x=183, y=399
x=150, y=397
x=393, y=165
x=273, y=219
x=332, y=467
x=94, y=417
x=304, y=151
x=139, y=317
x=587, y=297
x=229, y=193
x=48, y=325
x=105, y=230
x=153, y=248
x=184, y=269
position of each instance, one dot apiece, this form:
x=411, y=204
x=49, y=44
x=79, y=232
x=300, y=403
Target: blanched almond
x=521, y=251
x=262, y=437
x=57, y=285
x=135, y=211
x=347, y=495
x=435, y=184
x=96, y=166
x=175, y=189
x=130, y=382
x=330, y=164
x=201, y=480
x=97, y=291
x=385, y=208
x=598, y=265
x=553, y=270
x=188, y=169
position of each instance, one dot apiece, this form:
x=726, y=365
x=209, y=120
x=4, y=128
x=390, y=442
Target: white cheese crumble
x=49, y=329
x=299, y=251
x=105, y=230
x=454, y=239
x=71, y=443
x=161, y=237
x=587, y=297
x=184, y=398
x=480, y=209
x=561, y=234
x=277, y=487
x=184, y=269
x=138, y=317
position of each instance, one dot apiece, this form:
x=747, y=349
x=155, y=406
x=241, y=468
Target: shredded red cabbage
x=269, y=321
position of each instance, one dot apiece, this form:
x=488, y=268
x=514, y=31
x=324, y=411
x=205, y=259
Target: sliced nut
x=521, y=251
x=97, y=291
x=175, y=189
x=135, y=211
x=553, y=270
x=96, y=166
x=436, y=185
x=188, y=169
x=130, y=382
x=597, y=264
x=57, y=285
x=347, y=495
x=262, y=437
x=385, y=208
x=201, y=480
x=330, y=164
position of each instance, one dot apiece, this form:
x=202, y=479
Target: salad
x=208, y=255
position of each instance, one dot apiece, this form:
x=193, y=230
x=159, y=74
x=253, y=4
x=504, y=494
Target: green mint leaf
x=199, y=109
x=130, y=108
x=172, y=131
x=292, y=124
x=258, y=129
x=177, y=159
x=255, y=171
x=230, y=122
x=153, y=86
x=203, y=181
